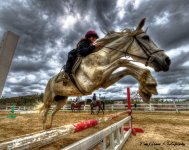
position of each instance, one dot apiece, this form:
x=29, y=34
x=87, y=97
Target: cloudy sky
x=48, y=29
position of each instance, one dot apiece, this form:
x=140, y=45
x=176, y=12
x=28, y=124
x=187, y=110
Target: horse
x=77, y=105
x=99, y=104
x=97, y=70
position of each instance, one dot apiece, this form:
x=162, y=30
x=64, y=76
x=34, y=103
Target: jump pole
x=134, y=130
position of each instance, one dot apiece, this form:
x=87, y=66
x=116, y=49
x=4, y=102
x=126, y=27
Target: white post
x=175, y=105
x=7, y=49
x=122, y=132
x=112, y=141
x=118, y=135
x=103, y=144
x=112, y=107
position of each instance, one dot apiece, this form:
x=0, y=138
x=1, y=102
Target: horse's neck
x=110, y=54
x=115, y=50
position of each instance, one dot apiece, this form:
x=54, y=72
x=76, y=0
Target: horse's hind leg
x=60, y=103
x=46, y=106
x=44, y=115
x=100, y=108
x=91, y=109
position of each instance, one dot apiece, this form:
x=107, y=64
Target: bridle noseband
x=149, y=55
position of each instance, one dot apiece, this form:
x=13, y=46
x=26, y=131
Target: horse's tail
x=103, y=105
x=39, y=107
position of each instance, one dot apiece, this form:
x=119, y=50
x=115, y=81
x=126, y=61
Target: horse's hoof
x=47, y=127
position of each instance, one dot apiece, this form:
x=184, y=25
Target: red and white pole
x=134, y=130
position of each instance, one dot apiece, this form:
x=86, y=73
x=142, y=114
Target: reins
x=149, y=54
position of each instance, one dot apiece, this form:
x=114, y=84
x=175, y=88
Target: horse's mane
x=113, y=35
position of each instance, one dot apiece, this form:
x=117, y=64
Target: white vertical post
x=112, y=141
x=175, y=106
x=112, y=107
x=7, y=49
x=118, y=136
x=103, y=144
x=122, y=132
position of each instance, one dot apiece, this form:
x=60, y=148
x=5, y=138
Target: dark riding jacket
x=94, y=97
x=84, y=48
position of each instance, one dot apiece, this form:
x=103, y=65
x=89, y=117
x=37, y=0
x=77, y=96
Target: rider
x=77, y=99
x=84, y=47
x=94, y=98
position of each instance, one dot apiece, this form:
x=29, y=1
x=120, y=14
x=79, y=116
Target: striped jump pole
x=134, y=130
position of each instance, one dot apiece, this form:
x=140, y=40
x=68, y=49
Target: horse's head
x=144, y=50
x=138, y=45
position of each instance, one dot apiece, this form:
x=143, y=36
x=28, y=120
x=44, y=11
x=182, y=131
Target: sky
x=49, y=29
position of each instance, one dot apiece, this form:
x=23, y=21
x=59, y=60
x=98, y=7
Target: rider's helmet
x=91, y=33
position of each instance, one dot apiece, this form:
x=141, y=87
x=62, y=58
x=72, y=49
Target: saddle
x=72, y=76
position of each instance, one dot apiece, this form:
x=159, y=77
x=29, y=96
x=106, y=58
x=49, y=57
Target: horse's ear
x=141, y=24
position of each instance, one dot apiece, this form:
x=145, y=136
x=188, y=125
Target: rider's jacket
x=84, y=48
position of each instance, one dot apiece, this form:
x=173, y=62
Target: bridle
x=149, y=55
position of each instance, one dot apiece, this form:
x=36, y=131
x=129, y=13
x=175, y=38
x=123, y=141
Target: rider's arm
x=84, y=49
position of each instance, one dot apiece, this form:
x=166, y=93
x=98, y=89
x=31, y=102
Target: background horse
x=77, y=105
x=99, y=104
x=99, y=69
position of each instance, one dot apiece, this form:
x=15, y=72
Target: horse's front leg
x=115, y=77
x=147, y=82
x=107, y=71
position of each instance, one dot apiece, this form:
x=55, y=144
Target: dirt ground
x=163, y=130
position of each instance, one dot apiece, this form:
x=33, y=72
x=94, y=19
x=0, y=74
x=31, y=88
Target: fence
x=112, y=137
x=113, y=107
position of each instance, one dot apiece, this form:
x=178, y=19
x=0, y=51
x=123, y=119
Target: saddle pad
x=73, y=76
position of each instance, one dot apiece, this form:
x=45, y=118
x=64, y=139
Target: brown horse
x=77, y=105
x=99, y=104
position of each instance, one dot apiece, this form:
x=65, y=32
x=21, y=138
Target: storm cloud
x=49, y=29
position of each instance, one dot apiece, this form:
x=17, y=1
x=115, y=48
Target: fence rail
x=111, y=107
x=112, y=137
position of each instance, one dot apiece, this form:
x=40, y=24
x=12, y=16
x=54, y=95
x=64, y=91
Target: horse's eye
x=146, y=37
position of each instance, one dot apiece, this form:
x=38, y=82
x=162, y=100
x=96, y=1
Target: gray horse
x=97, y=69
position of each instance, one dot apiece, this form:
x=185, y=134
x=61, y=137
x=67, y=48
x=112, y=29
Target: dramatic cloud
x=49, y=29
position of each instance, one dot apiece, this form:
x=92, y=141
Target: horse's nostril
x=167, y=60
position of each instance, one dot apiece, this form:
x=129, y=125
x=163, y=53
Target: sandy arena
x=163, y=130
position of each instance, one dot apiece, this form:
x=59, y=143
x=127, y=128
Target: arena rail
x=115, y=133
x=111, y=107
